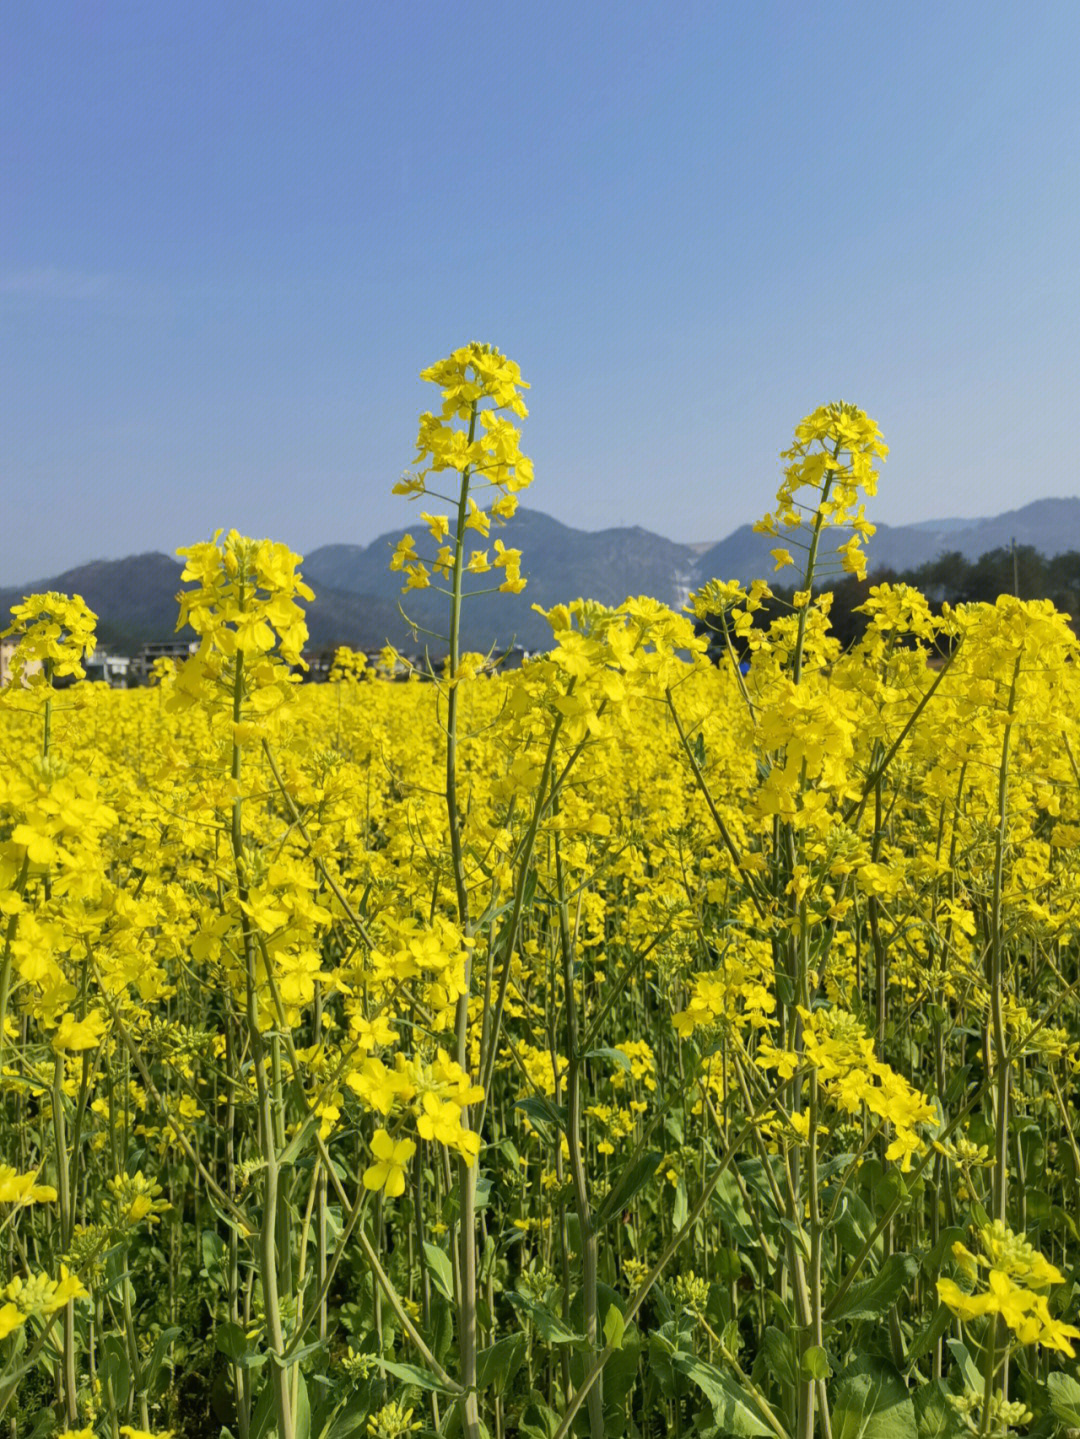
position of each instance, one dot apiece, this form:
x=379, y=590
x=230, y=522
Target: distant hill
x=1050, y=526
x=357, y=596
x=560, y=564
x=134, y=598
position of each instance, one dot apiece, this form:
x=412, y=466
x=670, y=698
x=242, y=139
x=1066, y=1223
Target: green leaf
x=548, y=1325
x=730, y=1205
x=411, y=1374
x=926, y=1337
x=213, y=1256
x=299, y=1355
x=442, y=1327
x=263, y=1422
x=1065, y=1398
x=854, y=1223
x=873, y=1297
x=539, y=1422
x=44, y=1426
x=483, y=1191
x=681, y=1208
x=621, y=1370
x=613, y=1056
x=934, y=1415
x=661, y=1372
x=871, y=1401
x=727, y=1265
x=230, y=1340
x=979, y=1214
x=614, y=1326
x=302, y=1425
x=349, y=1422
x=541, y=1110
x=968, y=1368
x=733, y=1409
x=779, y=1349
x=114, y=1369
x=622, y=1192
x=892, y=1189
x=299, y=1142
x=815, y=1363
x=956, y=1086
x=152, y=1367
x=440, y=1269
x=933, y=1259
x=499, y=1362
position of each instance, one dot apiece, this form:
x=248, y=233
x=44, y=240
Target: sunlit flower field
x=636, y=1043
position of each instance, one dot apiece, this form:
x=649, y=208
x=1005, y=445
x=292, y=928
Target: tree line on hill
x=949, y=579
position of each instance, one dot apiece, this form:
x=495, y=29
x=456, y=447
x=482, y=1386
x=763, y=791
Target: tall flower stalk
x=251, y=631
x=474, y=440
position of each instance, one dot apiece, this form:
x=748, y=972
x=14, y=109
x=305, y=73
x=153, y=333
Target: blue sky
x=233, y=235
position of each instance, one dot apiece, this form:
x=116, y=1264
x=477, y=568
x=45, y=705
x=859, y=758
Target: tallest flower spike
x=477, y=383
x=833, y=458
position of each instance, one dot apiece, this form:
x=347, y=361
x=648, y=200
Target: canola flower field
x=620, y=1046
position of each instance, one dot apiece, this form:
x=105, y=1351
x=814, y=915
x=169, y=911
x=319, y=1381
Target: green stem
x=596, y=1368
x=466, y=1294
x=278, y=1377
x=63, y=1194
x=575, y=1061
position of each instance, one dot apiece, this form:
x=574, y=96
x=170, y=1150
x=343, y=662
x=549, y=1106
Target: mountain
x=357, y=596
x=1050, y=526
x=560, y=564
x=135, y=600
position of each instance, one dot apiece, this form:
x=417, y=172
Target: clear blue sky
x=233, y=234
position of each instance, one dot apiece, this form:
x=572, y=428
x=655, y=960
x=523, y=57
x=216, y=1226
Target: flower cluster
x=851, y=1075
x=36, y=1297
x=832, y=457
x=21, y=1189
x=348, y=666
x=244, y=608
x=477, y=383
x=1016, y=1283
x=55, y=633
x=135, y=1198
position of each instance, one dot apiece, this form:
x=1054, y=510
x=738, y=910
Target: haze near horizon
x=234, y=239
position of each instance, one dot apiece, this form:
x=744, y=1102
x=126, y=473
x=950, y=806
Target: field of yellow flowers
x=625, y=1045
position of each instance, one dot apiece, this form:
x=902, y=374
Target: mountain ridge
x=357, y=596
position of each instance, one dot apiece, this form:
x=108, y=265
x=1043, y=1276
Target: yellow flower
x=136, y=1198
x=389, y=1173
x=41, y=1295
x=80, y=1033
x=23, y=1188
x=55, y=633
x=800, y=1122
x=440, y=1120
